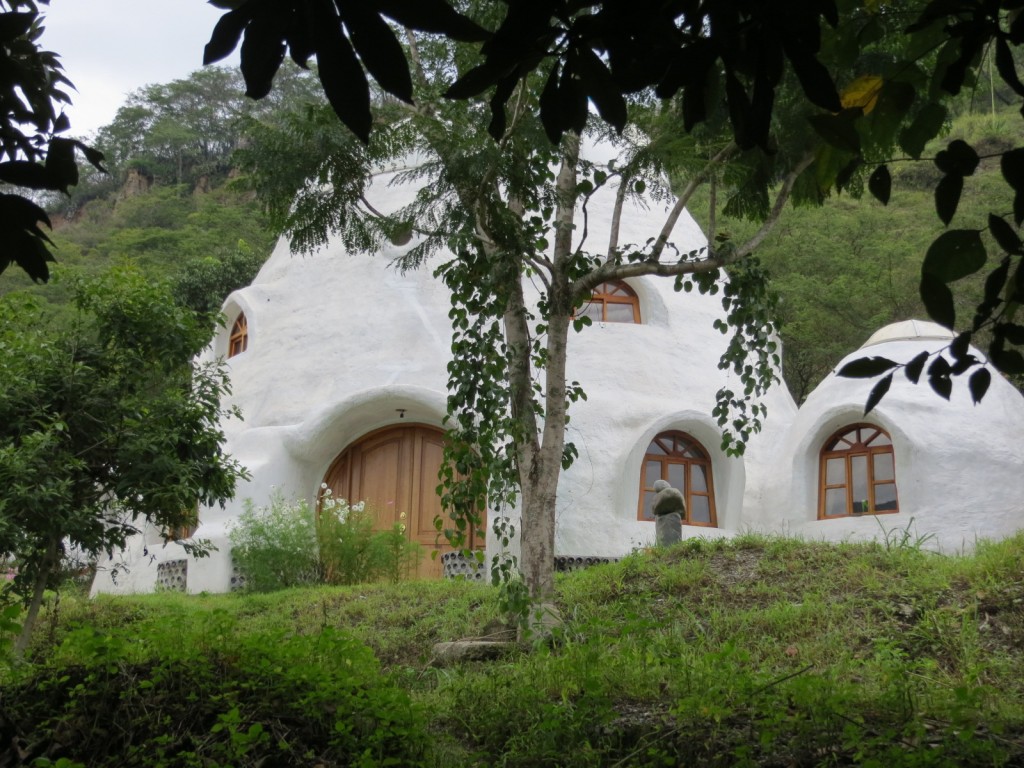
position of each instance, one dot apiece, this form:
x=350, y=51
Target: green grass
x=758, y=651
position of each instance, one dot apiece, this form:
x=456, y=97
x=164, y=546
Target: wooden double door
x=395, y=472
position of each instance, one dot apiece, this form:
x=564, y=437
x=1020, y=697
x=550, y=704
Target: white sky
x=111, y=47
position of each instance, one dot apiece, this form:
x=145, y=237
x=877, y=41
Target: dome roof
x=909, y=330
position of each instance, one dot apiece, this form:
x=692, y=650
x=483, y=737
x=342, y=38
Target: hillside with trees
x=170, y=203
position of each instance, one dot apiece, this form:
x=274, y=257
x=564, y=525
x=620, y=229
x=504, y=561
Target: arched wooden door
x=394, y=470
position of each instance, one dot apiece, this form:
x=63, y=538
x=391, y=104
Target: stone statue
x=669, y=510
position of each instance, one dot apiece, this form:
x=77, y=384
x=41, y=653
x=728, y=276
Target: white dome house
x=338, y=364
x=942, y=473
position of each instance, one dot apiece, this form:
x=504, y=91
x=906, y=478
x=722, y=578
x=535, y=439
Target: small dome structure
x=944, y=473
x=909, y=330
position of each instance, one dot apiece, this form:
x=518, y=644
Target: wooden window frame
x=839, y=446
x=669, y=442
x=238, y=341
x=614, y=292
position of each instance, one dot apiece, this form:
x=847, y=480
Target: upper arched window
x=683, y=462
x=612, y=302
x=239, y=338
x=858, y=473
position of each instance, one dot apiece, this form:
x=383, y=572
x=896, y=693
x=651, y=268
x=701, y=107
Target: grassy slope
x=756, y=652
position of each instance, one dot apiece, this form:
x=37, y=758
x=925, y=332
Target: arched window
x=858, y=473
x=612, y=302
x=239, y=339
x=683, y=462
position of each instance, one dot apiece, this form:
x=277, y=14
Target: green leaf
x=602, y=89
x=979, y=383
x=947, y=196
x=938, y=300
x=877, y=393
x=880, y=184
x=838, y=130
x=1012, y=332
x=955, y=254
x=262, y=52
x=866, y=367
x=942, y=385
x=926, y=126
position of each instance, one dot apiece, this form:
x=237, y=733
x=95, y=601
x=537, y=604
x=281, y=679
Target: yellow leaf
x=862, y=92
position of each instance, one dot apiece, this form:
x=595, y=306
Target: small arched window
x=683, y=462
x=239, y=338
x=612, y=302
x=858, y=473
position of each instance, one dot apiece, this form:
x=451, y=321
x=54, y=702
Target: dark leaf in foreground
x=877, y=393
x=979, y=383
x=913, y=369
x=866, y=367
x=880, y=184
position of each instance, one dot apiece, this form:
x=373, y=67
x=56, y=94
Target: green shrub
x=288, y=544
x=272, y=698
x=274, y=547
x=352, y=551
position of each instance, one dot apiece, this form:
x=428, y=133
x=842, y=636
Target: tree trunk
x=46, y=565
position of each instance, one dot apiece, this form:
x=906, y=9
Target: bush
x=289, y=544
x=263, y=699
x=274, y=547
x=352, y=552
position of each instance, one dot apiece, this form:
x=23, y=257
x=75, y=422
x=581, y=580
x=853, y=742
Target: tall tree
x=510, y=211
x=103, y=426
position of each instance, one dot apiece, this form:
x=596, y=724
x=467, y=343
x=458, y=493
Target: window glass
x=653, y=472
x=619, y=313
x=835, y=502
x=698, y=483
x=648, y=513
x=238, y=341
x=883, y=467
x=677, y=477
x=701, y=509
x=859, y=470
x=885, y=497
x=613, y=302
x=836, y=471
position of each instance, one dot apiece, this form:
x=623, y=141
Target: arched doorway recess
x=394, y=470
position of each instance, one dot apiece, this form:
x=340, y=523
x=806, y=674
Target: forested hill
x=173, y=205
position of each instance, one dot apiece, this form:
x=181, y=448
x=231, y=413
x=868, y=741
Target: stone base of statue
x=668, y=529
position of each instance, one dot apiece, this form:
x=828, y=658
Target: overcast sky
x=111, y=47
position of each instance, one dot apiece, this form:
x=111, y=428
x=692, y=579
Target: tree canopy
x=104, y=425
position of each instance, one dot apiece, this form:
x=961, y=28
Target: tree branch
x=692, y=186
x=780, y=202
